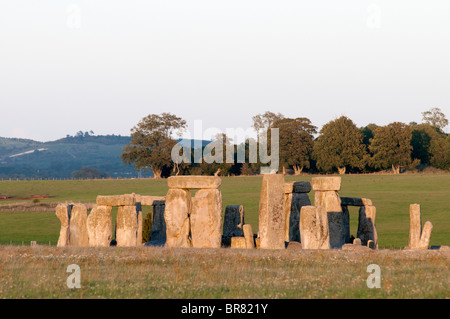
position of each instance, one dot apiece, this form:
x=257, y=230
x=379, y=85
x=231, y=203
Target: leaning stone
x=99, y=226
x=326, y=183
x=206, y=219
x=248, y=235
x=176, y=215
x=424, y=241
x=314, y=228
x=292, y=206
x=127, y=226
x=271, y=212
x=63, y=214
x=194, y=182
x=78, y=234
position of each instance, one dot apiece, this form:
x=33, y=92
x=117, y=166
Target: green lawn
x=391, y=195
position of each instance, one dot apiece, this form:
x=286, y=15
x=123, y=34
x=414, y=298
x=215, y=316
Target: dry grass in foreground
x=145, y=272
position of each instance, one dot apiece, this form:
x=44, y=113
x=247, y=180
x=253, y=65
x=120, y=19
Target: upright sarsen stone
x=293, y=205
x=366, y=225
x=78, y=234
x=63, y=214
x=415, y=225
x=271, y=212
x=176, y=215
x=329, y=199
x=314, y=229
x=99, y=226
x=206, y=219
x=158, y=232
x=127, y=226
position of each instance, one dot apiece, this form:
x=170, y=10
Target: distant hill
x=23, y=158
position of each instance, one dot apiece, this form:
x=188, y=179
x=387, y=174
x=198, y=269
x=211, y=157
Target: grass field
x=391, y=195
x=155, y=272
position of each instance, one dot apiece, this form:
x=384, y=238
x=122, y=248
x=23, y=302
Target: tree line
x=339, y=147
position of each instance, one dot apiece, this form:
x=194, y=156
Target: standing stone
x=158, y=232
x=426, y=235
x=346, y=224
x=127, y=226
x=78, y=234
x=271, y=212
x=293, y=205
x=366, y=225
x=99, y=226
x=248, y=235
x=63, y=214
x=206, y=219
x=330, y=200
x=176, y=215
x=314, y=228
x=140, y=223
x=415, y=225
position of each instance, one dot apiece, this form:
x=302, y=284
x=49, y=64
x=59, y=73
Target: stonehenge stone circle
x=272, y=216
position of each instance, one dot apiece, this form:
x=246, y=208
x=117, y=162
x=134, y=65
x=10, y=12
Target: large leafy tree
x=340, y=146
x=435, y=117
x=152, y=142
x=296, y=142
x=391, y=146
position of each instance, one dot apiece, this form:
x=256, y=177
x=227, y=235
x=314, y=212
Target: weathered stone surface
x=238, y=242
x=116, y=200
x=314, y=228
x=258, y=242
x=158, y=232
x=353, y=201
x=366, y=225
x=328, y=199
x=148, y=200
x=140, y=223
x=99, y=226
x=415, y=225
x=206, y=219
x=176, y=215
x=194, y=182
x=338, y=222
x=424, y=241
x=271, y=212
x=248, y=235
x=233, y=221
x=293, y=204
x=326, y=183
x=127, y=226
x=78, y=234
x=297, y=187
x=63, y=213
x=357, y=241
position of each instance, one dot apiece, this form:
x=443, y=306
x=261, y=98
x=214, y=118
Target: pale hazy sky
x=67, y=66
